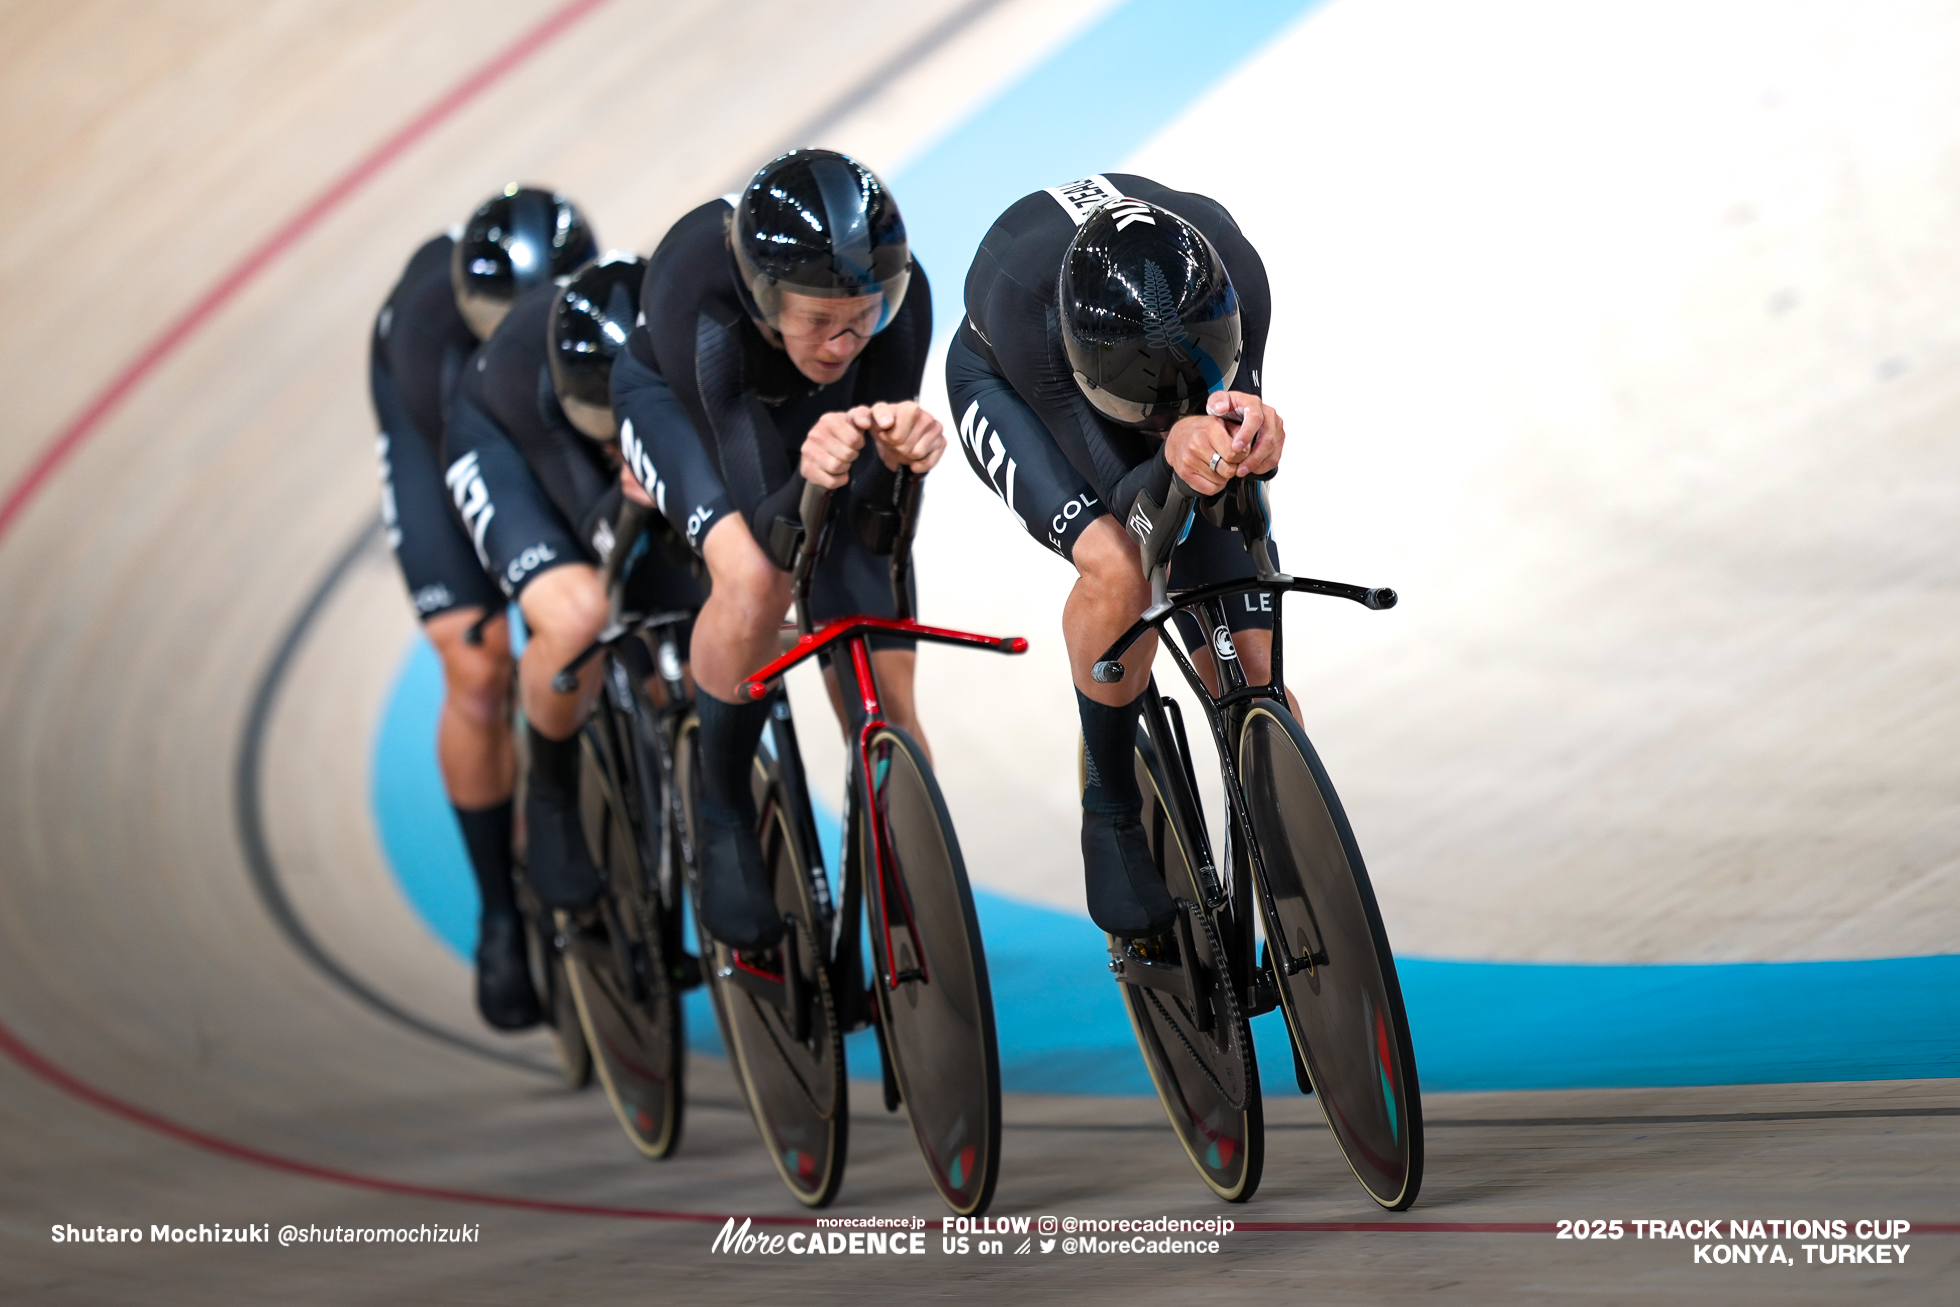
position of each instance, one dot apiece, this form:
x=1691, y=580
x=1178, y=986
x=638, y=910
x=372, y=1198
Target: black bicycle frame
x=1226, y=710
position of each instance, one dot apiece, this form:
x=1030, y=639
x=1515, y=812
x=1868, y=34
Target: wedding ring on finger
x=1216, y=458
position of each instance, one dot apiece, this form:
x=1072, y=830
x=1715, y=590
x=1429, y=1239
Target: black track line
x=248, y=811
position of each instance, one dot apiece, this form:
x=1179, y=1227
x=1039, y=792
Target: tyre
x=545, y=944
x=1202, y=1064
x=934, y=1004
x=792, y=1078
x=1344, y=1005
x=554, y=988
x=628, y=1004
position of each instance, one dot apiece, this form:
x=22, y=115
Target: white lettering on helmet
x=1128, y=211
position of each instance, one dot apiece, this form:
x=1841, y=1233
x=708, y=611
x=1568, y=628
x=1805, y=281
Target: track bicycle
x=1292, y=864
x=784, y=1014
x=624, y=958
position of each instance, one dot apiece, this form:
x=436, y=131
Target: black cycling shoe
x=503, y=975
x=738, y=903
x=1127, y=897
x=560, y=866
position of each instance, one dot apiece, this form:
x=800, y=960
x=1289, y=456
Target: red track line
x=31, y=1061
x=1404, y=1227
x=20, y=1052
x=309, y=216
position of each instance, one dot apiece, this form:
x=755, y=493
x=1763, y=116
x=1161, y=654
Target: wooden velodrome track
x=220, y=1012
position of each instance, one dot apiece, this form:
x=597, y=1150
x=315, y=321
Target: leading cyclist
x=1115, y=331
x=454, y=292
x=784, y=331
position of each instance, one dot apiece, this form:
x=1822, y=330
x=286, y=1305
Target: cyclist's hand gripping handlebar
x=815, y=514
x=627, y=527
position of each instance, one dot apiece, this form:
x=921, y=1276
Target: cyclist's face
x=824, y=336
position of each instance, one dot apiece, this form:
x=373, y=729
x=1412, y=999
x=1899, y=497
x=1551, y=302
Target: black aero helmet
x=511, y=243
x=1149, y=318
x=590, y=320
x=818, y=223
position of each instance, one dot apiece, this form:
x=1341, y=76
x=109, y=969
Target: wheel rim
x=1346, y=1009
x=635, y=1041
x=1201, y=1079
x=567, y=1032
x=939, y=1029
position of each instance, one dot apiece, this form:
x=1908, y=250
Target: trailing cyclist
x=1114, y=336
x=455, y=290
x=533, y=471
x=782, y=327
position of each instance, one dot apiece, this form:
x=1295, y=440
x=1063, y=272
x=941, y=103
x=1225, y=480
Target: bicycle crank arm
x=1180, y=979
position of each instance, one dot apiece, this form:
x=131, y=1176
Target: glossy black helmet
x=590, y=320
x=514, y=241
x=817, y=223
x=1149, y=318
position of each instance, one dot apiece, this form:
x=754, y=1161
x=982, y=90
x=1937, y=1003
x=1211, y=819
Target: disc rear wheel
x=1343, y=1003
x=934, y=1001
x=628, y=1003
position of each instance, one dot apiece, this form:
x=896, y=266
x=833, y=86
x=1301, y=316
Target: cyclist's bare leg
x=473, y=745
x=1126, y=895
x=740, y=626
x=1110, y=593
x=1255, y=655
x=565, y=609
x=895, y=670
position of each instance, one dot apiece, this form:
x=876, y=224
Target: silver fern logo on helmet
x=1163, y=325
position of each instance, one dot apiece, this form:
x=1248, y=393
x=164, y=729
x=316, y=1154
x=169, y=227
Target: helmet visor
x=1149, y=384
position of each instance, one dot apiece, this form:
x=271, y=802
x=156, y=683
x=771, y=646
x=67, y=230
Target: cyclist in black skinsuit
x=782, y=334
x=533, y=470
x=1115, y=333
x=454, y=287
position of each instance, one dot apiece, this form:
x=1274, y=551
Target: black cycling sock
x=729, y=734
x=1109, y=738
x=554, y=767
x=486, y=833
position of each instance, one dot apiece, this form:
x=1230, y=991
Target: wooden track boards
x=142, y=151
